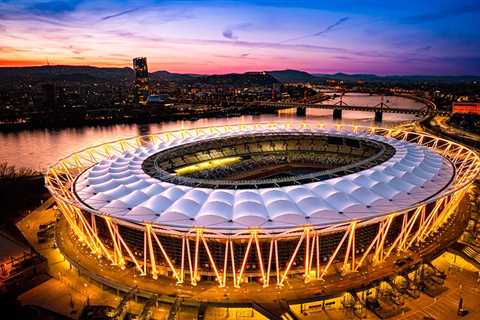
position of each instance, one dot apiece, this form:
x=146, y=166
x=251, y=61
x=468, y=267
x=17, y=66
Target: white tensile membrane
x=119, y=187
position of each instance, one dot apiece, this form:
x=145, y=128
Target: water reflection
x=39, y=148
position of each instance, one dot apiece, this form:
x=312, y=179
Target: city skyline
x=212, y=37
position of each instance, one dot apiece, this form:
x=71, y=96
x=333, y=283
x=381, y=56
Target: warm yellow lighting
x=419, y=222
x=207, y=165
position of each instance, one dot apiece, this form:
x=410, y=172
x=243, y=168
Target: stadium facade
x=262, y=203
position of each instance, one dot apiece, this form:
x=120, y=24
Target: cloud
x=6, y=49
x=471, y=60
x=343, y=58
x=328, y=29
x=332, y=26
x=229, y=32
x=167, y=16
x=424, y=49
x=75, y=49
x=30, y=18
x=453, y=65
x=277, y=45
x=441, y=14
x=241, y=56
x=123, y=34
x=137, y=36
x=119, y=14
x=244, y=44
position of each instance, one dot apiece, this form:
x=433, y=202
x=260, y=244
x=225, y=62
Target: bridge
x=338, y=107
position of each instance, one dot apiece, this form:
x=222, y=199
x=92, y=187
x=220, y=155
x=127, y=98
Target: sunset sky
x=436, y=37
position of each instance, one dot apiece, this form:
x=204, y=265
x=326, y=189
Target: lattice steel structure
x=271, y=252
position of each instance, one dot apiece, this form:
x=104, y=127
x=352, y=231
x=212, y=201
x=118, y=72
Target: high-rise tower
x=141, y=80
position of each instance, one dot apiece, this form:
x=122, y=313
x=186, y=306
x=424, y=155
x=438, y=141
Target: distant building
x=49, y=96
x=157, y=100
x=332, y=82
x=19, y=265
x=466, y=107
x=141, y=80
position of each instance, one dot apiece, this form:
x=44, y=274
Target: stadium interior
x=267, y=160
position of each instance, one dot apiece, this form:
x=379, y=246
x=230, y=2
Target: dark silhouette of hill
x=248, y=79
x=90, y=73
x=293, y=76
x=66, y=73
x=399, y=79
x=170, y=76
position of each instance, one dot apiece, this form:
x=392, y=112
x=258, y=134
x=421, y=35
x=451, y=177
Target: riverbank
x=39, y=148
x=57, y=119
x=114, y=117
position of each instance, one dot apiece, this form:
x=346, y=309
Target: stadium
x=263, y=204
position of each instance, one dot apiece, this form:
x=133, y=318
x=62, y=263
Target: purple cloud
x=229, y=32
x=119, y=14
x=328, y=29
x=332, y=26
x=424, y=49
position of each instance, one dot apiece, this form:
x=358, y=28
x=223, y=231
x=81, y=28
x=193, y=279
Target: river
x=40, y=148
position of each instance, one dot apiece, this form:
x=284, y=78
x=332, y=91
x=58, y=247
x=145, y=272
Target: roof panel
x=118, y=184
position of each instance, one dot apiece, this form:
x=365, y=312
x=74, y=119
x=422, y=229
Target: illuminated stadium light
x=206, y=165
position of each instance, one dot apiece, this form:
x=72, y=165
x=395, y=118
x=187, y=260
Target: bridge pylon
x=379, y=110
x=301, y=111
x=337, y=114
x=337, y=110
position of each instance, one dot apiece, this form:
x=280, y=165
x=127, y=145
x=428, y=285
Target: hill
x=293, y=76
x=90, y=74
x=66, y=73
x=248, y=79
x=267, y=78
x=170, y=76
x=397, y=79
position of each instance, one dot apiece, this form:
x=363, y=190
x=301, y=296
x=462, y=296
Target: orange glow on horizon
x=153, y=67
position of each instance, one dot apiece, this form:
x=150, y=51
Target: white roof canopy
x=117, y=186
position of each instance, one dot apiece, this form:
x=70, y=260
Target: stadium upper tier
x=325, y=177
x=285, y=158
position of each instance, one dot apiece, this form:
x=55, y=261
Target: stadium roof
x=119, y=187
